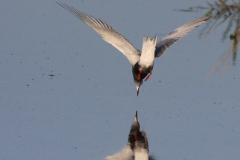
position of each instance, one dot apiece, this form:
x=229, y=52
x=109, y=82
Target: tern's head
x=138, y=83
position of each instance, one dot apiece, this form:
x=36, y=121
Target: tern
x=142, y=61
x=137, y=145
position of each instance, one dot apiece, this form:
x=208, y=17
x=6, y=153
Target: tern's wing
x=107, y=33
x=177, y=34
x=125, y=154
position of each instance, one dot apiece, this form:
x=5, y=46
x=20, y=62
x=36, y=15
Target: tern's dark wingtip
x=136, y=114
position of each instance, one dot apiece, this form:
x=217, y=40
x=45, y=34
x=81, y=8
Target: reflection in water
x=137, y=145
x=223, y=13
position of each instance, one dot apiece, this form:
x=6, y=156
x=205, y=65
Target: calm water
x=67, y=94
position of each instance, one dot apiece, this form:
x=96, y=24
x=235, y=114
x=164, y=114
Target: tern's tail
x=148, y=49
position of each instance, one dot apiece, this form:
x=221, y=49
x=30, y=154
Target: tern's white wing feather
x=107, y=33
x=125, y=154
x=177, y=34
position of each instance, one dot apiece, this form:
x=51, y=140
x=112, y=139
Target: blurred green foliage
x=223, y=11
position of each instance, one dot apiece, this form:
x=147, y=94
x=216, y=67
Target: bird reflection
x=137, y=145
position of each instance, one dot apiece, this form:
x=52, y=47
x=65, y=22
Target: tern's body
x=141, y=61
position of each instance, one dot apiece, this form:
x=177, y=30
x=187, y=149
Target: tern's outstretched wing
x=107, y=33
x=177, y=34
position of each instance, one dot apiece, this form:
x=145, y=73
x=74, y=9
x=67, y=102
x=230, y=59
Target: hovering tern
x=142, y=61
x=137, y=145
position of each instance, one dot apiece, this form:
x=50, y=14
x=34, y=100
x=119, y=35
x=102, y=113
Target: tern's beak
x=137, y=84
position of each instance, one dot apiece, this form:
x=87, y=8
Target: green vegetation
x=223, y=12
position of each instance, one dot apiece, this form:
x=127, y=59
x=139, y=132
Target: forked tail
x=148, y=49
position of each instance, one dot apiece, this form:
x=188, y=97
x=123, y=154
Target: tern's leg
x=135, y=134
x=144, y=133
x=148, y=76
x=139, y=75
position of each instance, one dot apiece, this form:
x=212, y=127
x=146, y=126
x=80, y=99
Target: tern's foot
x=148, y=76
x=144, y=133
x=135, y=135
x=139, y=75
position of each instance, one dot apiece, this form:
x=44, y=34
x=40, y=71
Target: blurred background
x=67, y=94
